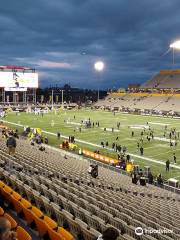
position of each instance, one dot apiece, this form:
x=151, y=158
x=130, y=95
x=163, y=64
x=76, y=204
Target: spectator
x=174, y=157
x=46, y=141
x=167, y=165
x=58, y=135
x=38, y=139
x=150, y=178
x=32, y=141
x=11, y=144
x=90, y=169
x=141, y=151
x=159, y=180
x=94, y=172
x=41, y=148
x=5, y=230
x=109, y=234
x=124, y=149
x=134, y=178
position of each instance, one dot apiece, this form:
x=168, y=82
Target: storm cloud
x=63, y=38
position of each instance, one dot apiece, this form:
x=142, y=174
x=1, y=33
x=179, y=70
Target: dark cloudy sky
x=63, y=38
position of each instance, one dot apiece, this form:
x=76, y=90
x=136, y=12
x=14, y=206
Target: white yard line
x=74, y=123
x=164, y=139
x=158, y=123
x=96, y=145
x=139, y=126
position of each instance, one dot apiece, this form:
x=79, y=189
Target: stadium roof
x=13, y=67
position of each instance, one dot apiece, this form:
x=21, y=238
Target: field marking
x=96, y=145
x=158, y=123
x=139, y=127
x=164, y=139
x=74, y=123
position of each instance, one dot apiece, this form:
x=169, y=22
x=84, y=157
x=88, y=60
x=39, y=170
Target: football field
x=68, y=122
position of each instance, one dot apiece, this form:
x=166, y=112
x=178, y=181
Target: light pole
x=99, y=67
x=174, y=45
x=52, y=99
x=62, y=98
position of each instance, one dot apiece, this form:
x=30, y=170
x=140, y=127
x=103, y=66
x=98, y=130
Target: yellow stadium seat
x=12, y=221
x=67, y=235
x=2, y=184
x=17, y=205
x=28, y=214
x=31, y=213
x=8, y=189
x=22, y=234
x=16, y=196
x=37, y=212
x=26, y=203
x=1, y=212
x=41, y=226
x=53, y=235
x=15, y=199
x=6, y=193
x=51, y=223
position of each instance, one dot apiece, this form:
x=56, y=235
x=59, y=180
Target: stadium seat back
x=26, y=203
x=17, y=205
x=37, y=212
x=28, y=214
x=51, y=223
x=16, y=196
x=6, y=192
x=22, y=234
x=1, y=212
x=53, y=235
x=2, y=184
x=8, y=189
x=41, y=226
x=12, y=221
x=65, y=234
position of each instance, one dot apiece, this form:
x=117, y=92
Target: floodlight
x=175, y=45
x=99, y=66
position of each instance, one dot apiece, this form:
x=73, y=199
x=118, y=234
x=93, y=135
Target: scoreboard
x=18, y=80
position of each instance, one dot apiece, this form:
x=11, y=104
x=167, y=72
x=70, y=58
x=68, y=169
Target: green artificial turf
x=155, y=149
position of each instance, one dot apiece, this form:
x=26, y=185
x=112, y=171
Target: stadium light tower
x=62, y=98
x=175, y=45
x=52, y=99
x=99, y=67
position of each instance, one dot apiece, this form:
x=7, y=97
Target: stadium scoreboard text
x=18, y=80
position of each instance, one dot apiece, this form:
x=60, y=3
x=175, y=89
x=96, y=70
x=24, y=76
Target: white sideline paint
x=158, y=123
x=139, y=126
x=74, y=123
x=96, y=145
x=164, y=139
